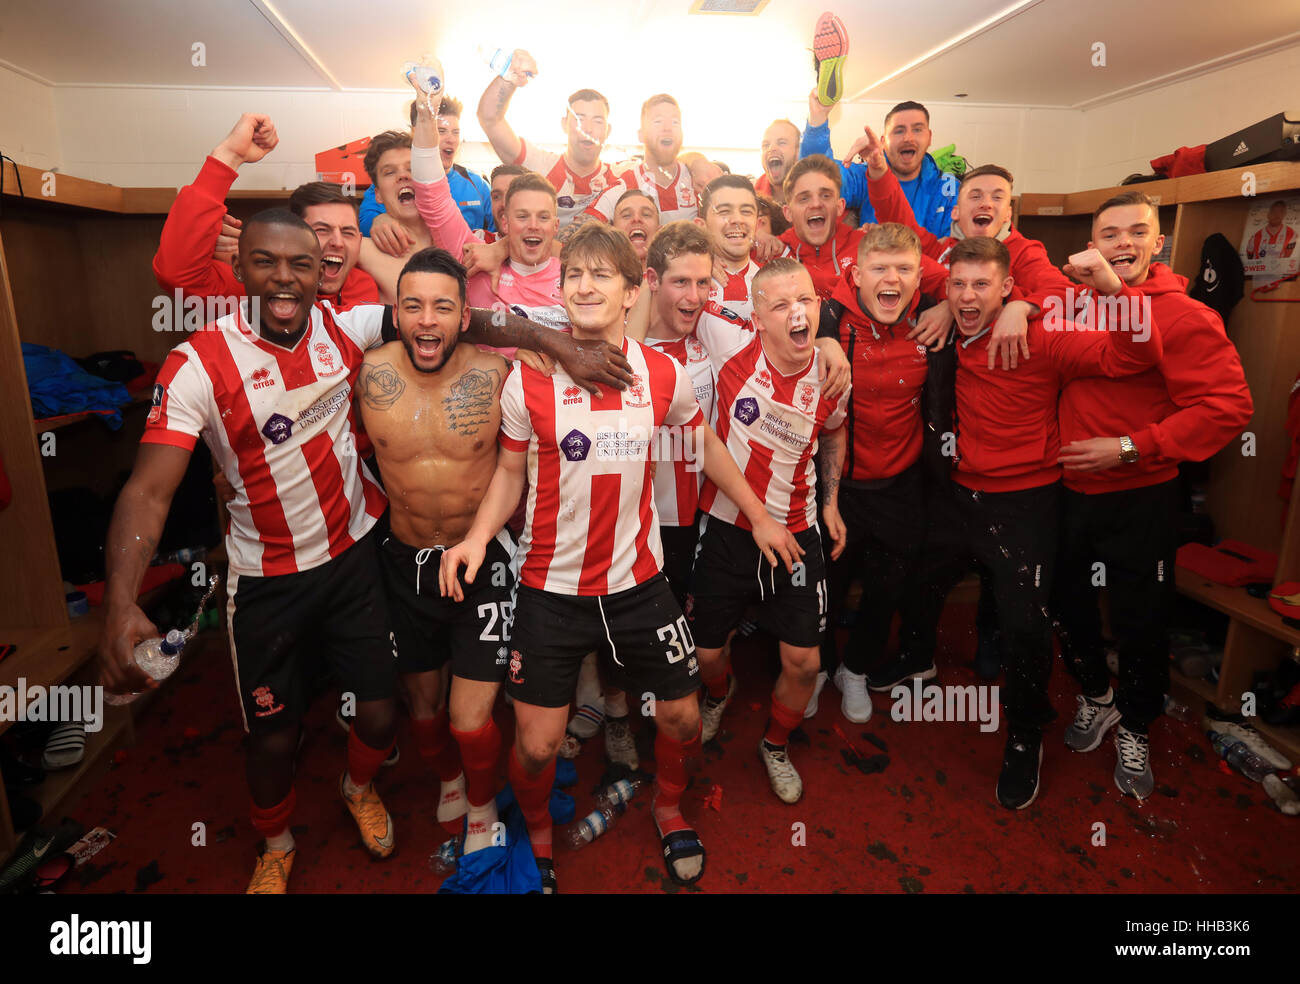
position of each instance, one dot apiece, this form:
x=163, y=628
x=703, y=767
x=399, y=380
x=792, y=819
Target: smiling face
x=393, y=186
x=430, y=318
x=887, y=282
x=280, y=265
x=679, y=295
x=448, y=139
x=596, y=297
x=786, y=312
x=335, y=225
x=731, y=220
x=587, y=127
x=1128, y=236
x=814, y=207
x=780, y=149
x=531, y=223
x=661, y=134
x=907, y=138
x=983, y=206
x=976, y=290
x=638, y=218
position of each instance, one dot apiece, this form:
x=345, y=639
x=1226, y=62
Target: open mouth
x=888, y=300
x=1123, y=263
x=800, y=337
x=968, y=318
x=983, y=221
x=532, y=242
x=637, y=236
x=426, y=346
x=406, y=196
x=816, y=222
x=736, y=237
x=332, y=264
x=774, y=162
x=283, y=305
x=907, y=155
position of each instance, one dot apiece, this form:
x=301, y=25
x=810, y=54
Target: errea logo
x=572, y=395
x=94, y=938
x=262, y=378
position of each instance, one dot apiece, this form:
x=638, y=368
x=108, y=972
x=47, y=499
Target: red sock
x=781, y=723
x=364, y=761
x=480, y=750
x=274, y=820
x=670, y=782
x=717, y=687
x=533, y=794
x=433, y=742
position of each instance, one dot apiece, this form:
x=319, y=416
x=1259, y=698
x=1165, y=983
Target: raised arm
x=494, y=101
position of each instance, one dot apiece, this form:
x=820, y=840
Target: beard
x=445, y=350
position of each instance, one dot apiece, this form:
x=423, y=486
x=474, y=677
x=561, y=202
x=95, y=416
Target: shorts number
x=677, y=635
x=490, y=612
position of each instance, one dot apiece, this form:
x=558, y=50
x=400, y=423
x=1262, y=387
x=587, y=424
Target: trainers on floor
x=1091, y=722
x=902, y=668
x=856, y=702
x=373, y=822
x=1021, y=761
x=1253, y=740
x=711, y=711
x=1133, y=763
x=620, y=746
x=271, y=876
x=781, y=772
x=813, y=703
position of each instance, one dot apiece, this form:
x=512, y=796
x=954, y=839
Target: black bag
x=1274, y=139
x=1222, y=279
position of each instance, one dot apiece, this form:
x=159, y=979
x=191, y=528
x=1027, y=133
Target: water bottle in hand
x=156, y=657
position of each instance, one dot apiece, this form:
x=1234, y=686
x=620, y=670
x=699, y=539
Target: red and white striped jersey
x=736, y=295
x=281, y=426
x=1265, y=244
x=769, y=422
x=677, y=479
x=677, y=201
x=574, y=193
x=591, y=526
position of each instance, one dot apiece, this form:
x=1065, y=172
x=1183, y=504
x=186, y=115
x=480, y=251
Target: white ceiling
x=1019, y=52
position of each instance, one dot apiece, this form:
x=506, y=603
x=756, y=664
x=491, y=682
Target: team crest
x=266, y=701
x=325, y=360
x=516, y=666
x=806, y=396
x=636, y=394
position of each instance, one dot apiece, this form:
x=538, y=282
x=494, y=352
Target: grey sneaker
x=1133, y=765
x=781, y=772
x=1091, y=722
x=620, y=746
x=711, y=712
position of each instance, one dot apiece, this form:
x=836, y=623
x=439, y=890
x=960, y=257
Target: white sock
x=616, y=707
x=350, y=787
x=282, y=841
x=480, y=825
x=451, y=799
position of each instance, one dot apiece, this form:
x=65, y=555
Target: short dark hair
x=380, y=144
x=904, y=107
x=511, y=169
x=727, y=180
x=674, y=240
x=588, y=95
x=655, y=100
x=984, y=169
x=596, y=240
x=277, y=217
x=448, y=107
x=980, y=249
x=432, y=259
x=813, y=163
x=1128, y=198
x=775, y=214
x=633, y=193
x=317, y=193
x=529, y=181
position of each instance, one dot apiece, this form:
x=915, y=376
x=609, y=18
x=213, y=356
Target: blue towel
x=58, y=386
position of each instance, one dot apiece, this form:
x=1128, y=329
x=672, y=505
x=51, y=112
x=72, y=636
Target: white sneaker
x=811, y=710
x=711, y=712
x=1254, y=741
x=620, y=746
x=856, y=703
x=781, y=773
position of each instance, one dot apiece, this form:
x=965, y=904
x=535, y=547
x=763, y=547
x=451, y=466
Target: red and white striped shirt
x=768, y=421
x=677, y=201
x=1265, y=244
x=677, y=479
x=574, y=193
x=591, y=526
x=736, y=295
x=281, y=426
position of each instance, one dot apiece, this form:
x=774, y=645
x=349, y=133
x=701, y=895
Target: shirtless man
x=431, y=407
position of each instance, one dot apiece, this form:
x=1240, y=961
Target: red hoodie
x=184, y=258
x=1185, y=409
x=830, y=261
x=1007, y=432
x=884, y=422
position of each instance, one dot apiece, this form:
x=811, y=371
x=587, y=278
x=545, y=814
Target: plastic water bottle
x=1283, y=795
x=497, y=59
x=595, y=823
x=1236, y=754
x=157, y=657
x=428, y=75
x=619, y=793
x=444, y=861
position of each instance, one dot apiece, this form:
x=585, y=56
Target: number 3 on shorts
x=678, y=636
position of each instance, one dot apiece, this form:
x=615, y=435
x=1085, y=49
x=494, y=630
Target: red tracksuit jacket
x=1007, y=433
x=184, y=257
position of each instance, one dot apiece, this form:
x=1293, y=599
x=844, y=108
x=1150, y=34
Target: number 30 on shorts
x=677, y=635
x=491, y=611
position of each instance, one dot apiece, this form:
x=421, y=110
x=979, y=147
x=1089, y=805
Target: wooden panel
x=118, y=252
x=156, y=201
x=31, y=588
x=67, y=189
x=1247, y=650
x=1041, y=205
x=1269, y=178
x=1196, y=222
x=1238, y=604
x=1086, y=202
x=47, y=273
x=1288, y=561
x=1060, y=236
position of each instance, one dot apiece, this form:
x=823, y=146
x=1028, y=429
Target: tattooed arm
x=830, y=458
x=133, y=534
x=495, y=99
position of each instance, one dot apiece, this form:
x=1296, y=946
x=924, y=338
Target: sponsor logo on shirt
x=575, y=445
x=155, y=402
x=277, y=428
x=262, y=378
x=763, y=378
x=611, y=444
x=746, y=410
x=572, y=396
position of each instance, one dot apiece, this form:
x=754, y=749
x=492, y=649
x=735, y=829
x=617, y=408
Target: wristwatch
x=1128, y=452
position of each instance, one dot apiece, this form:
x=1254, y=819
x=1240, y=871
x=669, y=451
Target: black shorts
x=282, y=626
x=430, y=630
x=644, y=643
x=680, y=545
x=730, y=572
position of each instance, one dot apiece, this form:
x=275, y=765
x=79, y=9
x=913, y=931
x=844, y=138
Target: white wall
x=28, y=129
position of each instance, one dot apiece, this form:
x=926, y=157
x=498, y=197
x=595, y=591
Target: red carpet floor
x=928, y=822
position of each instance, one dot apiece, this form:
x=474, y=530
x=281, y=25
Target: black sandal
x=678, y=846
x=546, y=868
